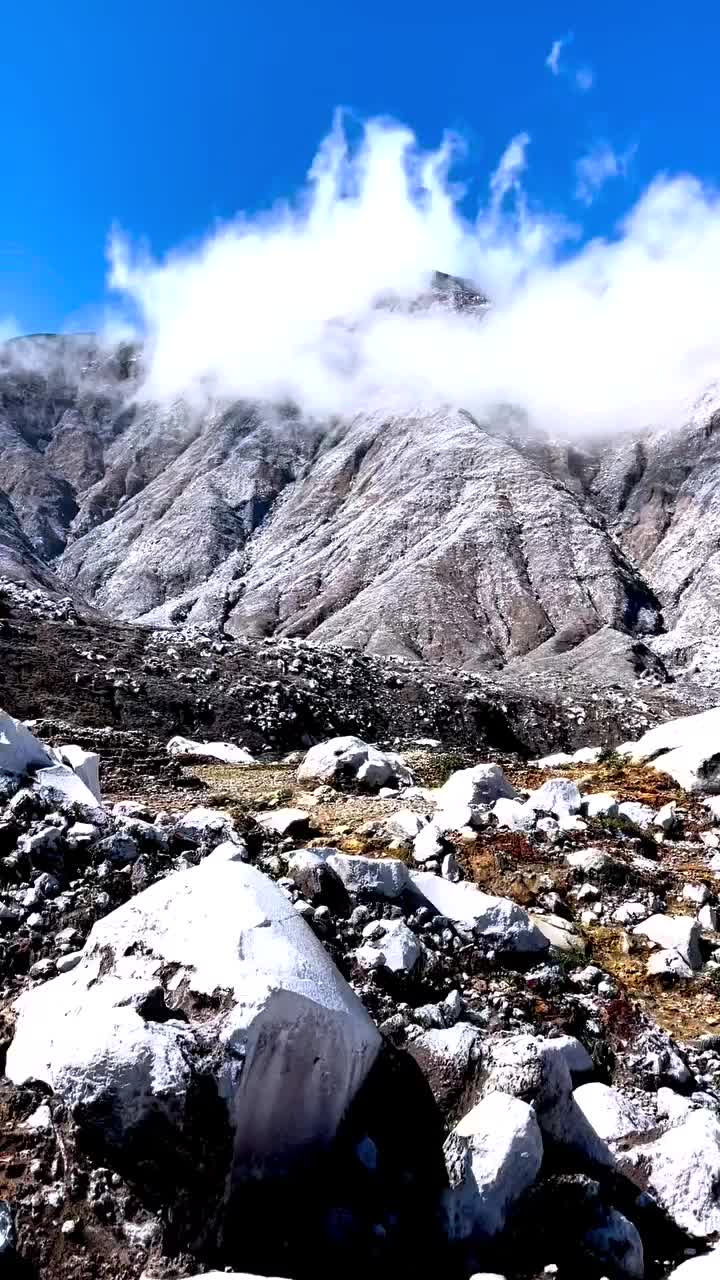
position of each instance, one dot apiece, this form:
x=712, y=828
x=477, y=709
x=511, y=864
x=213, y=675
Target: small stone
x=69, y=1226
x=450, y=869
x=666, y=818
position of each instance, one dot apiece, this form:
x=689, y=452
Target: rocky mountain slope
x=431, y=536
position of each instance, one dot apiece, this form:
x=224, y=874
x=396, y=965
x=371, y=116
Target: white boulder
x=20, y=751
x=561, y=934
x=395, y=948
x=641, y=814
x=713, y=805
x=86, y=764
x=706, y=1267
x=377, y=877
x=352, y=758
x=283, y=822
x=557, y=796
x=405, y=825
x=429, y=843
x=225, y=752
x=687, y=749
x=225, y=1275
x=668, y=964
x=612, y=1113
x=674, y=933
x=291, y=1043
x=595, y=864
x=205, y=826
x=514, y=815
x=482, y=784
x=529, y=1067
x=708, y=918
x=493, y=1155
x=681, y=1169
x=666, y=818
x=600, y=804
x=573, y=1053
x=499, y=920
x=67, y=786
x=585, y=755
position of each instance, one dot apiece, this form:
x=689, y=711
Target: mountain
x=432, y=536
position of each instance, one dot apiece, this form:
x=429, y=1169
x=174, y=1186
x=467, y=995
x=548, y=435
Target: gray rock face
x=417, y=536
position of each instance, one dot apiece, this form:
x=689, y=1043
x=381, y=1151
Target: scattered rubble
x=358, y=1013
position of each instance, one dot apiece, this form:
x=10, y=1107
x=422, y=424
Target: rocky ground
x=484, y=990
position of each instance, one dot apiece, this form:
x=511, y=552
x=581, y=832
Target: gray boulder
x=496, y=920
x=351, y=758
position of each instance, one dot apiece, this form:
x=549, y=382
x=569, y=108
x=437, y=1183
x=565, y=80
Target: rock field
x=315, y=963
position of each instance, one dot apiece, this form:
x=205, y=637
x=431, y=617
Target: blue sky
x=164, y=117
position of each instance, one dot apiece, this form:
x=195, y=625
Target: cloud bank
x=597, y=337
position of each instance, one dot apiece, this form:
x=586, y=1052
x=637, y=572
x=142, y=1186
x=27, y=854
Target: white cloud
x=599, y=165
x=553, y=59
x=597, y=337
x=507, y=177
x=584, y=79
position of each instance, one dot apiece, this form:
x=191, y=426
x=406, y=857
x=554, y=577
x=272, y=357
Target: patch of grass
x=685, y=1011
x=433, y=768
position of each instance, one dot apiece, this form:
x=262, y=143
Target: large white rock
x=688, y=750
x=226, y=752
x=66, y=785
x=404, y=824
x=202, y=825
x=531, y=1068
x=20, y=751
x=226, y=1275
x=283, y=822
x=514, y=815
x=377, y=877
x=429, y=843
x=706, y=1267
x=86, y=764
x=351, y=757
x=612, y=1113
x=674, y=933
x=499, y=920
x=586, y=755
x=397, y=949
x=601, y=804
x=482, y=784
x=493, y=1155
x=682, y=1170
x=641, y=814
x=290, y=1042
x=558, y=796
x=561, y=934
